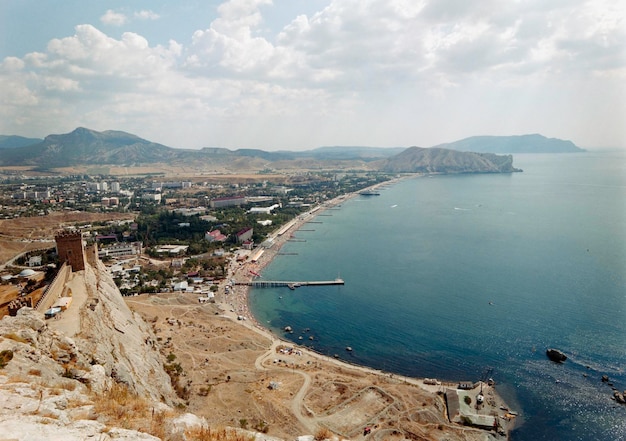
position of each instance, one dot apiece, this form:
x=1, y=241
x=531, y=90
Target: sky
x=299, y=74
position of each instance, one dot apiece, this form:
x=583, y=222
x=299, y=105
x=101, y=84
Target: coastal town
x=193, y=280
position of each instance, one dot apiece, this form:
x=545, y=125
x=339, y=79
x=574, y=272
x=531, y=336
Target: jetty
x=273, y=283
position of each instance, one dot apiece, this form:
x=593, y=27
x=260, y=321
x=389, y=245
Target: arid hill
x=84, y=147
x=436, y=160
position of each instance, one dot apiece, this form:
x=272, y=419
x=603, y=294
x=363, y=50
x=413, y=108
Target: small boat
x=369, y=193
x=349, y=348
x=556, y=355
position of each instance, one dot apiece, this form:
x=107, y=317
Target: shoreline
x=240, y=272
x=235, y=305
x=240, y=293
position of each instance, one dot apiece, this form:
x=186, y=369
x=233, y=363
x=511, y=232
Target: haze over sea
x=448, y=276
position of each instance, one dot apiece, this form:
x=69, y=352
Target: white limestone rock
x=187, y=421
x=120, y=340
x=99, y=382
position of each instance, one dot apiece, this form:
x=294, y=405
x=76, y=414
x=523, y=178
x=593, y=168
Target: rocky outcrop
x=39, y=398
x=437, y=160
x=120, y=341
x=556, y=355
x=51, y=385
x=619, y=397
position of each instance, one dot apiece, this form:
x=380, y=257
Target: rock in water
x=556, y=355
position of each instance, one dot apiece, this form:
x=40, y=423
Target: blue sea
x=465, y=276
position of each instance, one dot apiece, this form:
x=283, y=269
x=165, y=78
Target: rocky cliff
x=437, y=160
x=55, y=386
x=112, y=336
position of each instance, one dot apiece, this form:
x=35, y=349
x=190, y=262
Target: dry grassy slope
x=229, y=368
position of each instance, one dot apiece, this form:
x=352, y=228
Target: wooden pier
x=273, y=283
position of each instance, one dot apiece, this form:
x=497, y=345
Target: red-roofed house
x=245, y=234
x=215, y=235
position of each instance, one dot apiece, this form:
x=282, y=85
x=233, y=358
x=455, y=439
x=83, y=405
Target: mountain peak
x=86, y=146
x=532, y=143
x=442, y=160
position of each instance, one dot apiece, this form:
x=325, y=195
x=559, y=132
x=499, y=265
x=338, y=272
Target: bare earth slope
x=240, y=376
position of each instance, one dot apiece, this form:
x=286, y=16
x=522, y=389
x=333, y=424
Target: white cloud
x=61, y=84
x=113, y=18
x=91, y=51
x=12, y=64
x=357, y=71
x=146, y=15
x=229, y=42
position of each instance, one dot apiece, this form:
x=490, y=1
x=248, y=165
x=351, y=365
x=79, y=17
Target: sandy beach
x=235, y=302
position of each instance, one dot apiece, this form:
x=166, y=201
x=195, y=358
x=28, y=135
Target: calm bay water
x=449, y=276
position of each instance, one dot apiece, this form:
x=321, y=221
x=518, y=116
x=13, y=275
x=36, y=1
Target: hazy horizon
x=299, y=74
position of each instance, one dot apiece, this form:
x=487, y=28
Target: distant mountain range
x=512, y=144
x=88, y=147
x=83, y=146
x=12, y=141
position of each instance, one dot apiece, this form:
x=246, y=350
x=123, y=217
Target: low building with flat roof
x=227, y=201
x=461, y=409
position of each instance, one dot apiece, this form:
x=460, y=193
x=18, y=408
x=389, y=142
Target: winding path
x=298, y=400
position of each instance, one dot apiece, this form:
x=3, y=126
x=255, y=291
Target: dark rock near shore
x=619, y=397
x=556, y=355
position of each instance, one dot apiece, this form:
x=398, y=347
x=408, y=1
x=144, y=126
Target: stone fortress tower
x=70, y=249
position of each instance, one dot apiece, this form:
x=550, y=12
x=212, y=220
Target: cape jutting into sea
x=460, y=277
